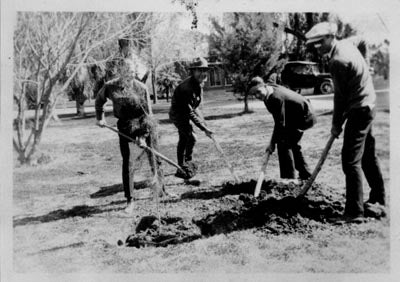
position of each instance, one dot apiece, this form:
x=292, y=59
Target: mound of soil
x=276, y=211
x=279, y=216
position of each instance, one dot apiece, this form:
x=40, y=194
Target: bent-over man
x=292, y=115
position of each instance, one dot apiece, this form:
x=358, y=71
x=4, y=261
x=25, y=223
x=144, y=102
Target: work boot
x=305, y=175
x=375, y=210
x=345, y=219
x=180, y=174
x=189, y=170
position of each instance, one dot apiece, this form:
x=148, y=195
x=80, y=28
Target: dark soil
x=172, y=230
x=276, y=211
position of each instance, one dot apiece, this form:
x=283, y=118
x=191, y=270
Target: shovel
x=228, y=164
x=262, y=174
x=317, y=169
x=148, y=149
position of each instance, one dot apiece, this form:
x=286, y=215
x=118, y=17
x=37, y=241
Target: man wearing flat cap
x=354, y=102
x=184, y=110
x=292, y=115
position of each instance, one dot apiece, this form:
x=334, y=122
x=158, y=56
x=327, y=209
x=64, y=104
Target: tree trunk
x=167, y=93
x=299, y=43
x=80, y=108
x=246, y=103
x=153, y=85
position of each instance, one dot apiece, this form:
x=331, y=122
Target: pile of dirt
x=278, y=216
x=170, y=231
x=278, y=188
x=276, y=211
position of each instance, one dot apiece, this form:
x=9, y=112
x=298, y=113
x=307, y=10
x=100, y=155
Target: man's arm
x=276, y=107
x=101, y=99
x=198, y=120
x=339, y=71
x=183, y=107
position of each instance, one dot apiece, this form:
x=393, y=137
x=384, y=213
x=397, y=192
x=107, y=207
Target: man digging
x=184, y=111
x=292, y=115
x=130, y=106
x=354, y=101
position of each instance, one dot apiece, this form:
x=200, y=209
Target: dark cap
x=123, y=42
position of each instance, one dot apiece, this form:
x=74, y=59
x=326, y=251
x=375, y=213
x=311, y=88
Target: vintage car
x=298, y=75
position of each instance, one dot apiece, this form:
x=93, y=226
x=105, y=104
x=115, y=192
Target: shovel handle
x=228, y=164
x=262, y=173
x=146, y=148
x=317, y=169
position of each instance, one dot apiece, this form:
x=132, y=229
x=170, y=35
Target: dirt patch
x=276, y=210
x=171, y=230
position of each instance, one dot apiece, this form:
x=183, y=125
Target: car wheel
x=326, y=87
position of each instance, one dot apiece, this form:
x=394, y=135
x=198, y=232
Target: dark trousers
x=127, y=163
x=290, y=155
x=187, y=140
x=358, y=155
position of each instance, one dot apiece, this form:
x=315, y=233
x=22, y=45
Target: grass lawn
x=68, y=209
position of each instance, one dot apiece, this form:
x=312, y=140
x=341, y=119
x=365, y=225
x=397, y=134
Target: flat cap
x=254, y=84
x=320, y=30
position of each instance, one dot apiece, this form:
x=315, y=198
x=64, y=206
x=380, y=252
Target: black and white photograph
x=189, y=140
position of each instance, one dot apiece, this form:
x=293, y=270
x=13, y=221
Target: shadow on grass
x=227, y=189
x=86, y=116
x=70, y=246
x=108, y=112
x=211, y=117
x=77, y=211
x=117, y=188
x=227, y=116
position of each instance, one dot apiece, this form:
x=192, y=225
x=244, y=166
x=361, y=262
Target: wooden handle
x=147, y=148
x=228, y=164
x=317, y=169
x=261, y=176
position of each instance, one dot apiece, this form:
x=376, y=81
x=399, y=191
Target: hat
x=199, y=63
x=123, y=42
x=318, y=31
x=254, y=84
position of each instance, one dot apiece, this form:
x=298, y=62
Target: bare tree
x=169, y=43
x=45, y=44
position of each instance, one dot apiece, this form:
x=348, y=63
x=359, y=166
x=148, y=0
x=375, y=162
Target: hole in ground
x=276, y=210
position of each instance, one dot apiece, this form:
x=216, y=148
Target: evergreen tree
x=248, y=45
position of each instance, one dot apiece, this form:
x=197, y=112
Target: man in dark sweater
x=354, y=101
x=292, y=115
x=185, y=110
x=130, y=105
